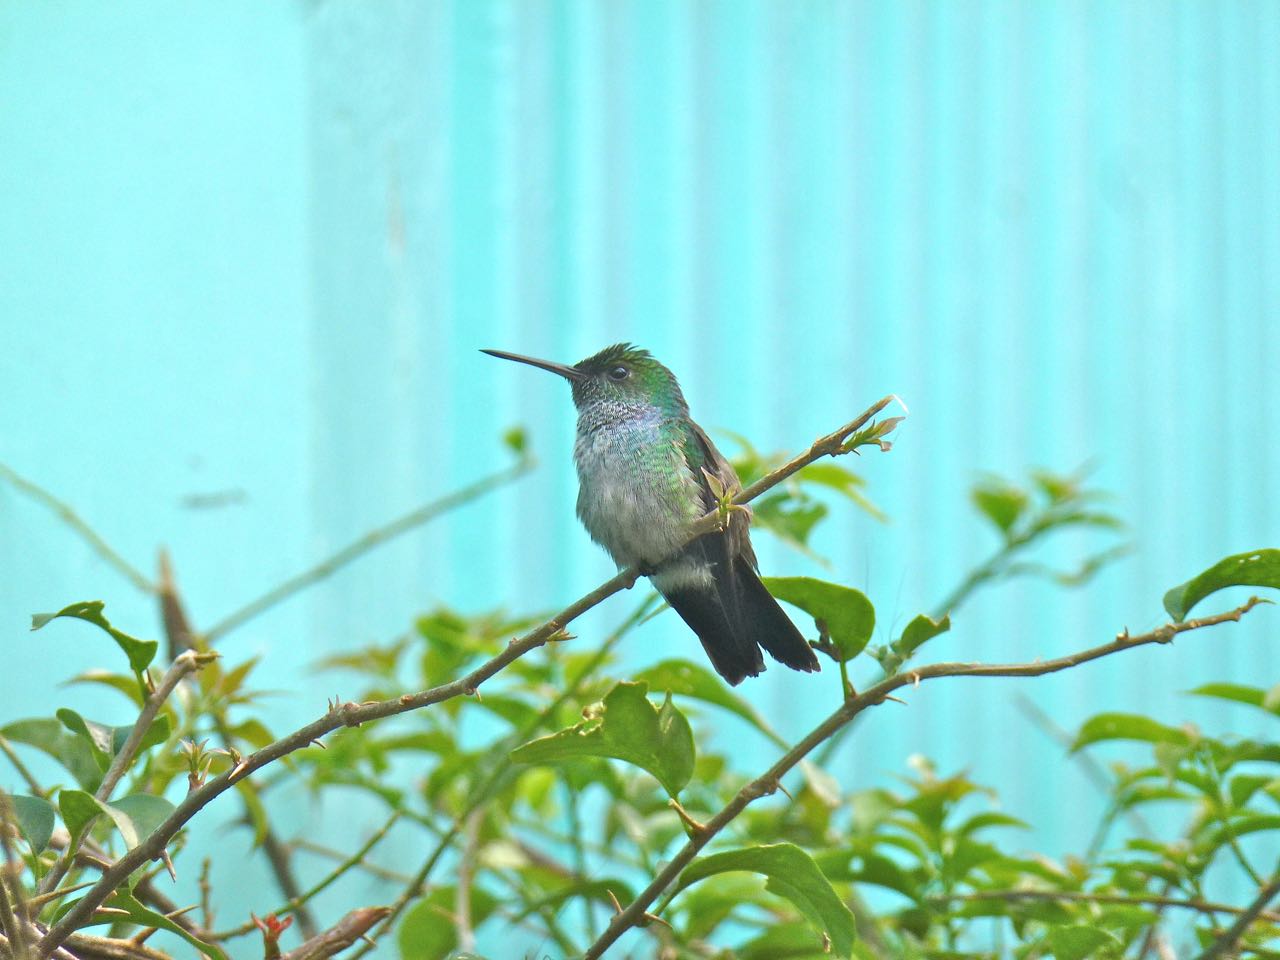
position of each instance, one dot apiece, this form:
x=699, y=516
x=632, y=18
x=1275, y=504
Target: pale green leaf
x=139, y=652
x=429, y=931
x=1079, y=941
x=625, y=727
x=36, y=817
x=1128, y=726
x=72, y=751
x=1258, y=568
x=790, y=873
x=845, y=613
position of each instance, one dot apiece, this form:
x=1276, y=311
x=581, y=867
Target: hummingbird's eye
x=619, y=373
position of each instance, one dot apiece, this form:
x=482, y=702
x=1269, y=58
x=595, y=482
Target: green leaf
x=999, y=503
x=78, y=810
x=106, y=741
x=516, y=440
x=790, y=517
x=1127, y=726
x=846, y=614
x=690, y=680
x=137, y=816
x=626, y=726
x=139, y=652
x=1259, y=568
x=429, y=931
x=36, y=817
x=1268, y=700
x=98, y=736
x=144, y=917
x=790, y=873
x=920, y=630
x=1079, y=941
x=72, y=751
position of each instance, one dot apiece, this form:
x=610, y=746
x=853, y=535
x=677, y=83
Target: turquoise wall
x=252, y=249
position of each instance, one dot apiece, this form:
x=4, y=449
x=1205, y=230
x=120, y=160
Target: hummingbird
x=643, y=477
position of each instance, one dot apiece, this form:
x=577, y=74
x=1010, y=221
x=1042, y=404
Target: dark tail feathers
x=735, y=620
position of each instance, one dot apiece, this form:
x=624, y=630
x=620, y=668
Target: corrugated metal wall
x=1052, y=228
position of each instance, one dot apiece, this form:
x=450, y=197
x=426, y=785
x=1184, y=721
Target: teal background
x=252, y=249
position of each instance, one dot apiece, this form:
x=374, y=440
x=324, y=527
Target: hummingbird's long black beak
x=569, y=373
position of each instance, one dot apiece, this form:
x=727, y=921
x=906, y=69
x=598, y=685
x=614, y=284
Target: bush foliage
x=569, y=800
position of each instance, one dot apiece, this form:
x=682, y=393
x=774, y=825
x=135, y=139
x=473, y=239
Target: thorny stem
x=186, y=663
x=350, y=714
x=768, y=782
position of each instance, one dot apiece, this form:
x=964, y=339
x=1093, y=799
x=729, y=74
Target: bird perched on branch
x=645, y=472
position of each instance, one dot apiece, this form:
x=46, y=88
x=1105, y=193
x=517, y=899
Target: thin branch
x=187, y=663
x=293, y=905
x=1225, y=944
x=358, y=548
x=183, y=665
x=72, y=520
x=350, y=714
x=769, y=781
x=103, y=948
x=347, y=931
x=1080, y=896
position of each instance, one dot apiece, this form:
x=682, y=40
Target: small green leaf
x=36, y=817
x=106, y=741
x=1268, y=700
x=1080, y=941
x=429, y=931
x=515, y=440
x=1128, y=726
x=790, y=873
x=78, y=810
x=72, y=751
x=1258, y=568
x=139, y=652
x=137, y=816
x=98, y=736
x=846, y=614
x=920, y=630
x=1000, y=503
x=690, y=680
x=156, y=734
x=625, y=727
x=145, y=917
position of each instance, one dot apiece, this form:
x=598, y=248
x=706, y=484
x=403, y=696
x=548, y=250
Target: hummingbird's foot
x=640, y=570
x=692, y=827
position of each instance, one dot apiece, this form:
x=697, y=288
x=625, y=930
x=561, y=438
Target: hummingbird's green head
x=620, y=376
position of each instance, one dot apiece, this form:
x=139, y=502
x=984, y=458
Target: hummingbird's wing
x=707, y=457
x=754, y=614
